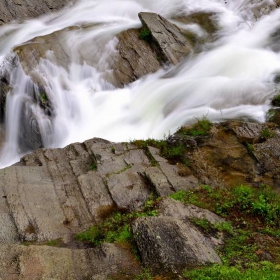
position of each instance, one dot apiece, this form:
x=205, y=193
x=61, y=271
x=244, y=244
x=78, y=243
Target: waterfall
x=232, y=77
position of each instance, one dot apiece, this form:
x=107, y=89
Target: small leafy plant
x=145, y=34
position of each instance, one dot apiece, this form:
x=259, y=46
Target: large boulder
x=54, y=193
x=143, y=51
x=168, y=244
x=172, y=43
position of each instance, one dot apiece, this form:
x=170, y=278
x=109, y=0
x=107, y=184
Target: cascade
x=232, y=77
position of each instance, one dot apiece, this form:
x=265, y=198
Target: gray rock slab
x=169, y=38
x=171, y=208
x=33, y=203
x=166, y=243
x=24, y=9
x=136, y=58
x=159, y=181
x=177, y=181
x=128, y=189
x=95, y=193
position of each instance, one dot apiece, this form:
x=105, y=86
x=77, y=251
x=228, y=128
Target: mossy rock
x=276, y=100
x=273, y=115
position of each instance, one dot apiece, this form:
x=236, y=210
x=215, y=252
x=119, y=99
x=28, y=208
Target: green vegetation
x=145, y=34
x=174, y=153
x=250, y=148
x=54, y=243
x=145, y=275
x=43, y=97
x=276, y=100
x=263, y=271
x=116, y=227
x=266, y=133
x=251, y=231
x=177, y=151
x=201, y=128
x=93, y=166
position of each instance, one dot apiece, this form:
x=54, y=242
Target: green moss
x=145, y=34
x=43, y=97
x=93, y=166
x=250, y=148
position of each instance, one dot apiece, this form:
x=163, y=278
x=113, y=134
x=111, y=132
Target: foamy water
x=231, y=79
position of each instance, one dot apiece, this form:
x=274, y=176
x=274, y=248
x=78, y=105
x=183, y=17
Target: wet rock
x=4, y=89
x=205, y=20
x=169, y=244
x=276, y=101
x=264, y=7
x=173, y=45
x=24, y=9
x=273, y=115
x=136, y=58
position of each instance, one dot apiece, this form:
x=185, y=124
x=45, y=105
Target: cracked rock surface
x=24, y=9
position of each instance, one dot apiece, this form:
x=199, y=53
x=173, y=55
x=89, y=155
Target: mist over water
x=231, y=78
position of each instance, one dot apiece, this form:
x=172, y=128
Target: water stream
x=232, y=78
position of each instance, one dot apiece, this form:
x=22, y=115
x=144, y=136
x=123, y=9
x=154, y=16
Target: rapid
x=231, y=78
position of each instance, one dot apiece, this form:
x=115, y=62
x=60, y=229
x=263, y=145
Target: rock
x=136, y=58
x=222, y=160
x=4, y=89
x=177, y=180
x=24, y=9
x=54, y=193
x=264, y=7
x=268, y=154
x=247, y=132
x=203, y=19
x=45, y=262
x=169, y=207
x=273, y=115
x=168, y=37
x=276, y=101
x=159, y=180
x=169, y=244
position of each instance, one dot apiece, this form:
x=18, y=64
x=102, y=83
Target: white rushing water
x=231, y=79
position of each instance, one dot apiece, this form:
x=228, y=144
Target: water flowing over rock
x=169, y=38
x=24, y=9
x=144, y=51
